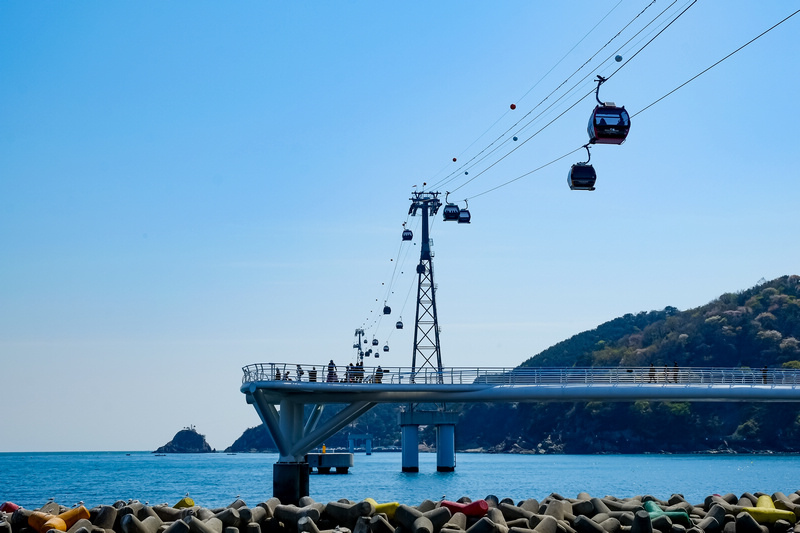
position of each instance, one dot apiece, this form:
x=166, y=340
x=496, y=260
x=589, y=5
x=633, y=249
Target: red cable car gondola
x=608, y=124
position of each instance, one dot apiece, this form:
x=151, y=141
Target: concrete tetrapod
x=387, y=508
x=678, y=517
x=477, y=509
x=43, y=522
x=348, y=514
x=765, y=512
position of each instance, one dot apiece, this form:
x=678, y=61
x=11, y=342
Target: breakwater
x=729, y=513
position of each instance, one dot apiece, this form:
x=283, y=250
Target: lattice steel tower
x=426, y=332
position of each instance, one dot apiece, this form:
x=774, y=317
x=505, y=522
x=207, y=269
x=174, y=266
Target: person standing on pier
x=332, y=377
x=312, y=374
x=300, y=373
x=652, y=374
x=378, y=374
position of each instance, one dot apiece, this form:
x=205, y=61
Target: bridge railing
x=666, y=376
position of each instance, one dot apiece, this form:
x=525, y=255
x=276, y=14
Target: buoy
x=513, y=106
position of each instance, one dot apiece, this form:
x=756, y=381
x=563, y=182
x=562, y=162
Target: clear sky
x=190, y=187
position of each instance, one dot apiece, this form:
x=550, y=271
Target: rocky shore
x=746, y=513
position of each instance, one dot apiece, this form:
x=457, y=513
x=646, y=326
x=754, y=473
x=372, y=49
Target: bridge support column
x=290, y=482
x=445, y=448
x=410, y=445
x=445, y=422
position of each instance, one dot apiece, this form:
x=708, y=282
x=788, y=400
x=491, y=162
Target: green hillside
x=756, y=327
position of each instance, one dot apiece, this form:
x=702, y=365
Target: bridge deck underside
x=321, y=393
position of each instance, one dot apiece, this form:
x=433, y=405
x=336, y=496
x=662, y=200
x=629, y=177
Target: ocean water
x=216, y=480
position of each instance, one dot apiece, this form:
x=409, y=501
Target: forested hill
x=755, y=327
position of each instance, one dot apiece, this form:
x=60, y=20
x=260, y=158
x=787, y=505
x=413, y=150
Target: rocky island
x=187, y=440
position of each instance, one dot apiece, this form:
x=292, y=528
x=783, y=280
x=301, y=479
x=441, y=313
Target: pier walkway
x=402, y=385
x=280, y=402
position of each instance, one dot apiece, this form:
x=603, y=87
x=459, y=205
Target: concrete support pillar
x=368, y=446
x=410, y=445
x=445, y=448
x=290, y=482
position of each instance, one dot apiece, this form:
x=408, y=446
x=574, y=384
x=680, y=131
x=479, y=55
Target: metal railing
x=628, y=376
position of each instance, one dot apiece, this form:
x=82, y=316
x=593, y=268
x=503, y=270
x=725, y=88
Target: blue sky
x=187, y=188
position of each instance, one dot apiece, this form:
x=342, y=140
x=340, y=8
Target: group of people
x=287, y=374
x=354, y=373
x=675, y=373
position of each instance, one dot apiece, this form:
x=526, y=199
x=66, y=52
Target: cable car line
x=579, y=42
x=457, y=172
x=551, y=70
x=717, y=63
x=584, y=96
x=389, y=291
x=653, y=39
x=652, y=103
x=559, y=99
x=527, y=173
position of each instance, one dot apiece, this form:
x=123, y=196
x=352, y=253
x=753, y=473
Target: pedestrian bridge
x=280, y=398
x=521, y=384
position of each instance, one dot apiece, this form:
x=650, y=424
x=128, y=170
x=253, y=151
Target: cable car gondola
x=608, y=124
x=387, y=310
x=451, y=212
x=581, y=176
x=464, y=216
x=399, y=324
x=385, y=347
x=407, y=235
x=375, y=342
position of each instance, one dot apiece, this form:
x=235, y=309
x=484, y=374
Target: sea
x=218, y=479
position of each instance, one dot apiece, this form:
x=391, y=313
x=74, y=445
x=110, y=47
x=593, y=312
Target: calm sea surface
x=215, y=480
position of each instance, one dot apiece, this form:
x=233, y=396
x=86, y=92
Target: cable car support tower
x=426, y=332
x=428, y=349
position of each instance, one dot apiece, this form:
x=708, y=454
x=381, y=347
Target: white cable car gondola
x=608, y=124
x=581, y=176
